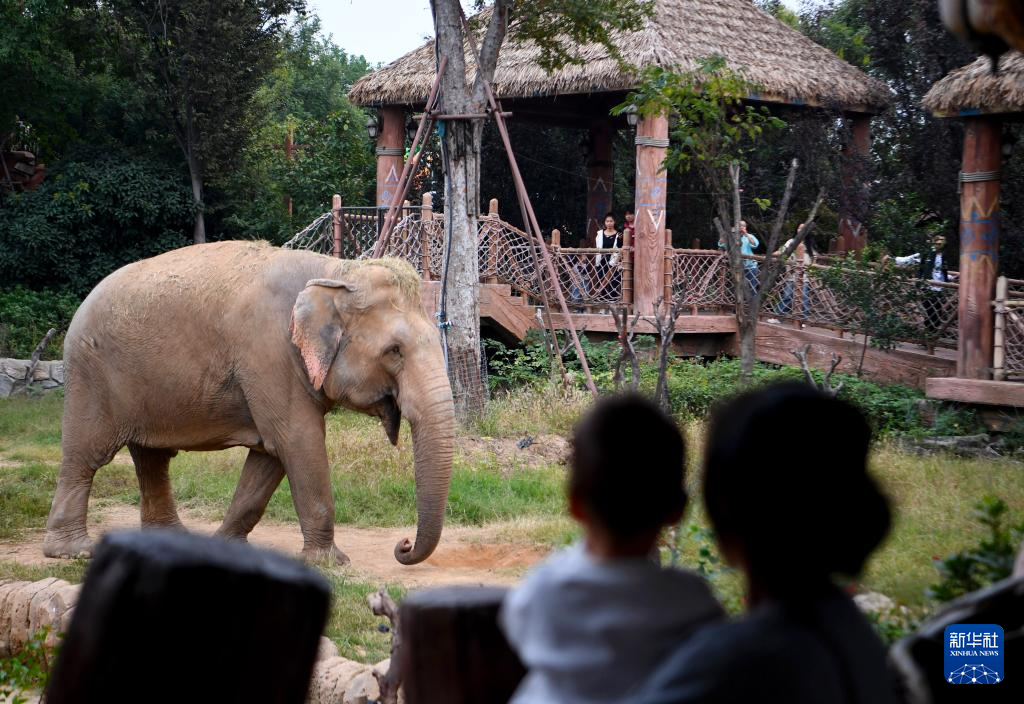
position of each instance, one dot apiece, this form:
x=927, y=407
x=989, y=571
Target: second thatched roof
x=787, y=66
x=975, y=89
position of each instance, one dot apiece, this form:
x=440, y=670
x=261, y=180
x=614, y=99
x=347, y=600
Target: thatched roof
x=788, y=67
x=974, y=89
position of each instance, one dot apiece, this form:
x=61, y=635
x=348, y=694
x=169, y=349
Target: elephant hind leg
x=156, y=498
x=261, y=476
x=84, y=449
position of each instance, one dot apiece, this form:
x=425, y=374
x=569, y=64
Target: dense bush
x=25, y=316
x=695, y=386
x=96, y=211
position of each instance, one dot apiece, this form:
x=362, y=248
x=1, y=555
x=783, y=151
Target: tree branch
x=34, y=362
x=383, y=605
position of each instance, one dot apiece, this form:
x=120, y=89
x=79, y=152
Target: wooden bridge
x=801, y=309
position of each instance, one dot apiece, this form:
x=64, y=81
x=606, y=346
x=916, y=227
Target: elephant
x=243, y=344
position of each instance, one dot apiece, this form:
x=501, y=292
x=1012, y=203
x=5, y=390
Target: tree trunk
x=462, y=141
x=196, y=176
x=748, y=350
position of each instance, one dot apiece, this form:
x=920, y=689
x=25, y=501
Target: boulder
x=362, y=689
x=874, y=603
x=7, y=594
x=327, y=649
x=21, y=606
x=14, y=368
x=57, y=371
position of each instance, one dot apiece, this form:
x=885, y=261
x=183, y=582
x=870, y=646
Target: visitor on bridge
x=791, y=518
x=748, y=243
x=931, y=266
x=595, y=619
x=630, y=227
x=608, y=277
x=785, y=304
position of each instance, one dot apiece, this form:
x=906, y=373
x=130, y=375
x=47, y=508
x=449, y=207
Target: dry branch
x=627, y=333
x=665, y=315
x=36, y=354
x=826, y=384
x=383, y=605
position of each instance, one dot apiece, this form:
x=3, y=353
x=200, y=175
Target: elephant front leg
x=261, y=476
x=156, y=502
x=310, y=481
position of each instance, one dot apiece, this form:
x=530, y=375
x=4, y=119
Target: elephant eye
x=394, y=349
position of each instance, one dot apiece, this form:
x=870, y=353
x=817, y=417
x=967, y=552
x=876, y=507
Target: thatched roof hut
x=788, y=67
x=976, y=90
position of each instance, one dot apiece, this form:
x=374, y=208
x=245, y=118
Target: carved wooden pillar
x=651, y=183
x=599, y=179
x=979, y=245
x=390, y=154
x=852, y=231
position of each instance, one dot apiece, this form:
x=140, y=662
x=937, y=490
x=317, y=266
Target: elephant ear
x=316, y=327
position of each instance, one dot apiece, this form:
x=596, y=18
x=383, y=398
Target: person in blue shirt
x=748, y=243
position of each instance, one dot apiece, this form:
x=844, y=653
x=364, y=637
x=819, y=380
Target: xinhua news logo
x=974, y=654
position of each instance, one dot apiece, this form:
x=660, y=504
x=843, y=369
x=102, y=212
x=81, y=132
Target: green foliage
x=528, y=364
x=26, y=671
x=714, y=127
x=988, y=562
x=26, y=315
x=880, y=300
x=561, y=28
x=305, y=96
x=98, y=210
x=695, y=388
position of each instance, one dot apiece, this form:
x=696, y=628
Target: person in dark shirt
x=792, y=518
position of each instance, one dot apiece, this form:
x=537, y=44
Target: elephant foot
x=65, y=548
x=329, y=555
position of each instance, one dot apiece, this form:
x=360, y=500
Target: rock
x=41, y=372
x=48, y=607
x=57, y=371
x=874, y=603
x=20, y=612
x=327, y=649
x=58, y=608
x=14, y=368
x=362, y=689
x=6, y=385
x=7, y=594
x=331, y=678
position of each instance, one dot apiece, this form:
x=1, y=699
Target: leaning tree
x=559, y=29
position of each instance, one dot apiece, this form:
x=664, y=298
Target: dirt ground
x=465, y=555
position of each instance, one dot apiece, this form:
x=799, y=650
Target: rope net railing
x=918, y=311
x=1013, y=341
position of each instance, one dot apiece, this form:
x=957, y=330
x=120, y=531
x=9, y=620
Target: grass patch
x=30, y=427
x=69, y=570
x=373, y=486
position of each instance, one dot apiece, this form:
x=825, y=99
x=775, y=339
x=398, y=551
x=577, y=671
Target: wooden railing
x=1008, y=350
x=595, y=279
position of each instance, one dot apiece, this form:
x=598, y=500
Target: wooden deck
x=711, y=335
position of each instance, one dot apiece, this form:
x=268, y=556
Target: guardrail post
x=426, y=215
x=695, y=243
x=492, y=245
x=999, y=343
x=667, y=269
x=627, y=267
x=336, y=222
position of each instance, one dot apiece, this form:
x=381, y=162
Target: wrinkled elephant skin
x=243, y=344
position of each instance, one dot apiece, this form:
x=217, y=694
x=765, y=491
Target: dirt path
x=464, y=556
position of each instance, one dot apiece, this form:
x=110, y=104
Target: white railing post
x=999, y=343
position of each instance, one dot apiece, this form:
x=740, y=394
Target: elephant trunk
x=431, y=414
